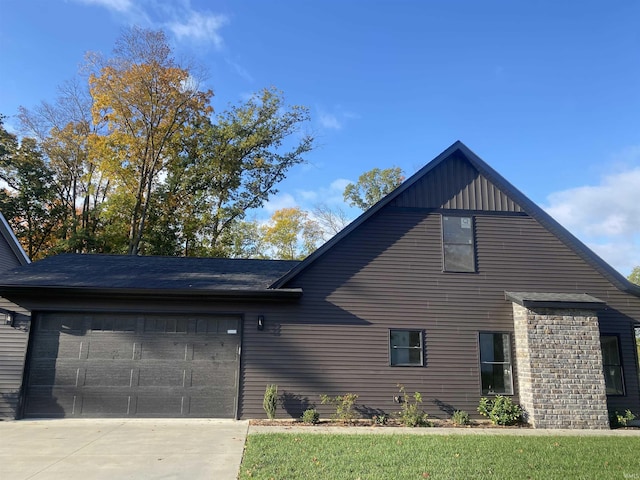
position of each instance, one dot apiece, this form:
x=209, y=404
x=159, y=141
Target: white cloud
x=121, y=6
x=201, y=27
x=336, y=119
x=280, y=201
x=606, y=216
x=240, y=70
x=178, y=17
x=330, y=121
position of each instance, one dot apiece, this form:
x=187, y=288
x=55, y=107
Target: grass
x=373, y=457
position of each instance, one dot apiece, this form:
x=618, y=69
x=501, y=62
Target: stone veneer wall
x=559, y=359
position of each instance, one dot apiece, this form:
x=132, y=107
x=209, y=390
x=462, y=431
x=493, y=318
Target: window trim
x=510, y=363
x=474, y=268
x=620, y=365
x=422, y=346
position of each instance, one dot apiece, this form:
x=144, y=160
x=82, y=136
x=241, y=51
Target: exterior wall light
x=260, y=322
x=8, y=318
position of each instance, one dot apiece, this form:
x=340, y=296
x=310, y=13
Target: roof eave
x=13, y=242
x=248, y=294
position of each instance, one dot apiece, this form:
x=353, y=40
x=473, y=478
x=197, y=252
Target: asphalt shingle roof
x=148, y=272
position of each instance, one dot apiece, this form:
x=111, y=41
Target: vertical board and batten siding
x=456, y=185
x=388, y=274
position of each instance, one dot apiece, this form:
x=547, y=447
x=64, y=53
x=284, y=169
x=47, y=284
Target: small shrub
x=411, y=414
x=381, y=419
x=344, y=405
x=460, y=417
x=311, y=415
x=270, y=402
x=620, y=420
x=500, y=410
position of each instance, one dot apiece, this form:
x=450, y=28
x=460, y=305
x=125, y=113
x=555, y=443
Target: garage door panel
x=203, y=406
x=111, y=347
x=162, y=403
x=104, y=404
x=49, y=346
x=161, y=376
x=166, y=350
x=210, y=375
x=220, y=350
x=107, y=375
x=169, y=365
x=50, y=375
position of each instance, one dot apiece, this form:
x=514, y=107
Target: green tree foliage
x=372, y=186
x=29, y=198
x=233, y=165
x=634, y=276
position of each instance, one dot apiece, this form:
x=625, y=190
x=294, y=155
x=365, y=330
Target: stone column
x=559, y=361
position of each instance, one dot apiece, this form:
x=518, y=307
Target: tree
x=65, y=132
x=233, y=165
x=149, y=103
x=29, y=198
x=634, y=276
x=291, y=234
x=330, y=220
x=372, y=186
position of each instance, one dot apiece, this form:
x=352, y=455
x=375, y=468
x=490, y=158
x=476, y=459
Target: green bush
x=344, y=404
x=460, y=417
x=311, y=415
x=270, y=402
x=381, y=419
x=618, y=420
x=500, y=410
x=411, y=415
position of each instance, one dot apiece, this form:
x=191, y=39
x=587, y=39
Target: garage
x=133, y=365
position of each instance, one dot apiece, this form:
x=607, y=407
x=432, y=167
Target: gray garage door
x=121, y=365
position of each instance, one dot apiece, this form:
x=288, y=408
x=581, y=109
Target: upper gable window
x=458, y=246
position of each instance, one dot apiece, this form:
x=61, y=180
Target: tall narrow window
x=458, y=245
x=495, y=364
x=612, y=365
x=405, y=348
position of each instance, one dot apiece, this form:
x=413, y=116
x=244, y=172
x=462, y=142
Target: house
x=14, y=322
x=454, y=285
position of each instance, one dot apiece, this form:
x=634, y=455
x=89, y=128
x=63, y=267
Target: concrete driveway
x=124, y=449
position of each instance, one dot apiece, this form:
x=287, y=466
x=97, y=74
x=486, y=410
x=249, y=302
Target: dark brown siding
x=388, y=274
x=13, y=347
x=455, y=184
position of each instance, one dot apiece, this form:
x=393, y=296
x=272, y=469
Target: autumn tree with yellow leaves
x=148, y=103
x=139, y=164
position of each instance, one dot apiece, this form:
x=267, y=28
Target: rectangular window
x=458, y=244
x=495, y=364
x=612, y=365
x=406, y=348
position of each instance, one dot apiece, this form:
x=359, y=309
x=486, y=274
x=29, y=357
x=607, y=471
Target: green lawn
x=368, y=457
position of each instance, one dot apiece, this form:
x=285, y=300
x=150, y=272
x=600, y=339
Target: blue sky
x=546, y=92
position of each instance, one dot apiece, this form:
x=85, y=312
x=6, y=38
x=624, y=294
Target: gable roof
x=144, y=274
x=12, y=241
x=521, y=201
